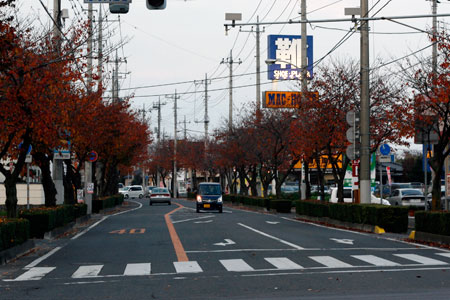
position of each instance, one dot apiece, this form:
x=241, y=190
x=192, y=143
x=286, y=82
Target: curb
x=337, y=223
x=430, y=237
x=12, y=253
x=50, y=235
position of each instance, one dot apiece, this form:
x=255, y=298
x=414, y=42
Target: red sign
x=388, y=171
x=92, y=156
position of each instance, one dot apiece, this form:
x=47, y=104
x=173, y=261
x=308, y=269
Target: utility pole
x=364, y=182
x=100, y=49
x=158, y=134
x=229, y=61
x=174, y=179
x=304, y=81
x=57, y=20
x=434, y=53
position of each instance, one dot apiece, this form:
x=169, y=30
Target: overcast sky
x=187, y=40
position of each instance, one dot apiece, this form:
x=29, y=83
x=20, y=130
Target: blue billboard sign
x=286, y=50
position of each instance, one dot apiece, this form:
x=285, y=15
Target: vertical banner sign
x=355, y=174
x=90, y=188
x=287, y=51
x=388, y=171
x=80, y=196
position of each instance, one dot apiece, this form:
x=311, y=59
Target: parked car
x=124, y=190
x=160, y=195
x=209, y=196
x=289, y=189
x=135, y=191
x=407, y=197
x=348, y=197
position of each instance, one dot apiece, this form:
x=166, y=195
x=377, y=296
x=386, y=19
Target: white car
x=348, y=197
x=134, y=191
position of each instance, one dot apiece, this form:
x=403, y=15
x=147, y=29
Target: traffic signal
x=156, y=4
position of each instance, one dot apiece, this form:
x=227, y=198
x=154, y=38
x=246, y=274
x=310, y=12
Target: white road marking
x=236, y=265
x=330, y=262
x=137, y=269
x=203, y=222
x=421, y=259
x=35, y=274
x=272, y=237
x=376, y=261
x=193, y=219
x=187, y=267
x=106, y=217
x=226, y=243
x=283, y=263
x=37, y=261
x=272, y=223
x=323, y=226
x=87, y=271
x=343, y=241
x=444, y=254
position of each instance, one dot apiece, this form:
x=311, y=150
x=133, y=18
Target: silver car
x=407, y=197
x=160, y=195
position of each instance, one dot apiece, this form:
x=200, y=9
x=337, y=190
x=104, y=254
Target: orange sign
x=324, y=163
x=286, y=99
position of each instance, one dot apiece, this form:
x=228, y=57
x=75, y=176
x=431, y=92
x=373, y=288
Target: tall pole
x=100, y=48
x=258, y=67
x=158, y=136
x=175, y=148
x=206, y=111
x=364, y=182
x=434, y=53
x=304, y=81
x=230, y=104
x=230, y=62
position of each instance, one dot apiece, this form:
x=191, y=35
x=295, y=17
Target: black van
x=209, y=196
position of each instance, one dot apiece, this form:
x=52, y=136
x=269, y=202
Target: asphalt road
x=171, y=252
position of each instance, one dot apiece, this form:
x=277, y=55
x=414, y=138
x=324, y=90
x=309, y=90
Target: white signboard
x=80, y=196
x=90, y=188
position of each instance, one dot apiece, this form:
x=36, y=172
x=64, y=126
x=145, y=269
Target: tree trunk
x=253, y=181
x=11, y=196
x=47, y=181
x=242, y=178
x=69, y=193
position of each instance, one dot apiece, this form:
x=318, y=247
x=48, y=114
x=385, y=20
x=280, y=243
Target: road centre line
x=177, y=245
x=272, y=237
x=193, y=219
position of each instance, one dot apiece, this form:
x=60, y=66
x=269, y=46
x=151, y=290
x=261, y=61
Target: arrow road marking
x=343, y=241
x=227, y=242
x=272, y=223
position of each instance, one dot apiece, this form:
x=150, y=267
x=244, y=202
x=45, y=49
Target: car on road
x=150, y=189
x=134, y=191
x=160, y=195
x=124, y=190
x=209, y=196
x=348, y=197
x=407, y=197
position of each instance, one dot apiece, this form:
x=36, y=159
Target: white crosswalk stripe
x=137, y=270
x=240, y=265
x=87, y=271
x=236, y=265
x=35, y=273
x=187, y=267
x=330, y=262
x=283, y=263
x=421, y=259
x=376, y=261
x=447, y=254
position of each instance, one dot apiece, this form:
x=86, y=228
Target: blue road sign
x=385, y=149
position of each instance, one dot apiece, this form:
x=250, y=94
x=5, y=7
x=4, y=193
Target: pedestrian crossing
x=240, y=265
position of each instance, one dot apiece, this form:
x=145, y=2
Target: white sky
x=187, y=40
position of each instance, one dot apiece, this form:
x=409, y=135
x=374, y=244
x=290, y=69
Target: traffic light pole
x=304, y=65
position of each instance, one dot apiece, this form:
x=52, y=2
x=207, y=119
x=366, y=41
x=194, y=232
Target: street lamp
x=271, y=61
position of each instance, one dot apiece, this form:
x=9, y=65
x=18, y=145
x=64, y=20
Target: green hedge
x=390, y=218
x=281, y=206
x=13, y=232
x=43, y=219
x=106, y=202
x=80, y=210
x=433, y=222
